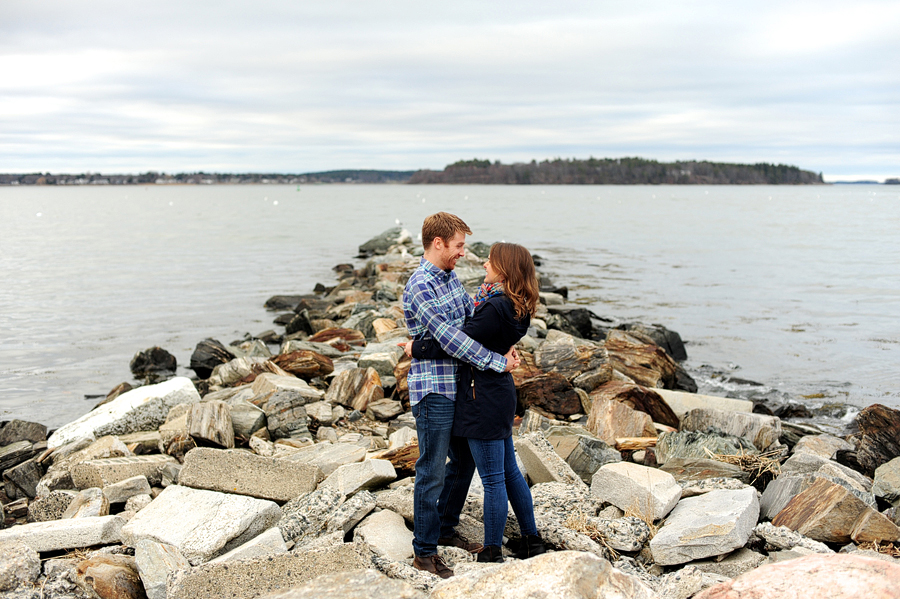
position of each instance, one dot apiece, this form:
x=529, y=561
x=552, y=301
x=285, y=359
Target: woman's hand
x=512, y=359
x=407, y=347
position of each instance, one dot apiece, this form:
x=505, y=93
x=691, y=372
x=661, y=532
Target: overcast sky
x=299, y=86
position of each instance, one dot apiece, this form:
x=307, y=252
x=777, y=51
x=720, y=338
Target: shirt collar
x=443, y=275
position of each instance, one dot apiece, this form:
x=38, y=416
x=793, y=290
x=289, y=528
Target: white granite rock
x=386, y=532
x=214, y=524
x=268, y=543
x=706, y=525
x=141, y=409
x=155, y=561
x=71, y=533
x=121, y=491
x=631, y=487
x=328, y=456
x=350, y=478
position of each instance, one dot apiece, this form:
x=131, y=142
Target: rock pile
x=284, y=471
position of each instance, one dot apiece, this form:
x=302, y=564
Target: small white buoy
x=171, y=203
x=423, y=200
x=39, y=214
x=275, y=203
x=396, y=221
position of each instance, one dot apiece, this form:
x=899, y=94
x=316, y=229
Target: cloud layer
x=296, y=86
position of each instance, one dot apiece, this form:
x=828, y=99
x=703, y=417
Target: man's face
x=451, y=250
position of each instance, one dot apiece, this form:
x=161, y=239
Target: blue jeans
x=441, y=487
x=502, y=480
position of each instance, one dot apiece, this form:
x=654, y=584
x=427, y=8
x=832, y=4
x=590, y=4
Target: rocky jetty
x=284, y=469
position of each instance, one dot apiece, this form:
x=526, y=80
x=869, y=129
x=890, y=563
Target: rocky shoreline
x=284, y=470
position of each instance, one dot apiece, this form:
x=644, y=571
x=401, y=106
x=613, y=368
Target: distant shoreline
x=591, y=171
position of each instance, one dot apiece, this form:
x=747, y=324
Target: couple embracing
x=461, y=392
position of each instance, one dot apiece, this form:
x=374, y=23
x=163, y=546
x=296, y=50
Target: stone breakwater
x=285, y=470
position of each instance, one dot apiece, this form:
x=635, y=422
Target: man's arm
x=422, y=304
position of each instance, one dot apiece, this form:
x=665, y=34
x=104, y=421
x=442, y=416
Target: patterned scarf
x=487, y=290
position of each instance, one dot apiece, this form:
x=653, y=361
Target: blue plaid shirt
x=436, y=305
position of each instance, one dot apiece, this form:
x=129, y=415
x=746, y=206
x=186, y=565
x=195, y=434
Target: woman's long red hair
x=514, y=263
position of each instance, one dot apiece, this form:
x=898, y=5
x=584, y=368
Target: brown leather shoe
x=433, y=564
x=455, y=540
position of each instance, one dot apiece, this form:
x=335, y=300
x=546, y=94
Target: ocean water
x=796, y=288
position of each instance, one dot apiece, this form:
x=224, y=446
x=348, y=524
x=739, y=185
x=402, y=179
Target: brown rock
x=571, y=357
x=611, y=419
x=830, y=513
x=639, y=398
x=305, y=364
x=401, y=370
x=645, y=363
x=355, y=388
x=347, y=336
x=550, y=392
x=879, y=437
x=819, y=576
x=110, y=577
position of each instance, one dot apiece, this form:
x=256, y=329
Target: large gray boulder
x=214, y=523
x=244, y=473
x=759, y=429
x=712, y=524
x=561, y=575
x=141, y=409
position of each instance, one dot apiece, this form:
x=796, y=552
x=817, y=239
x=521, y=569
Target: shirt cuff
x=498, y=363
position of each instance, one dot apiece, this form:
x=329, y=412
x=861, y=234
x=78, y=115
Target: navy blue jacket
x=485, y=409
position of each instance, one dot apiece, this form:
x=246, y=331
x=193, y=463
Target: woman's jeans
x=503, y=481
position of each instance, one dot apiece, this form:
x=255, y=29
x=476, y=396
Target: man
x=435, y=304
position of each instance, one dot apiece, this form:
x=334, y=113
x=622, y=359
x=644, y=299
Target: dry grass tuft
x=579, y=523
x=889, y=549
x=761, y=466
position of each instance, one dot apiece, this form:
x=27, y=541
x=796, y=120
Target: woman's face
x=492, y=275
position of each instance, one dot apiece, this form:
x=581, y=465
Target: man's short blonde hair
x=443, y=225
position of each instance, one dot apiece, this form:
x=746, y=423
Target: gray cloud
x=288, y=86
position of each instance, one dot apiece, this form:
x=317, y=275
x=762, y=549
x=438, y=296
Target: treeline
x=617, y=171
x=201, y=178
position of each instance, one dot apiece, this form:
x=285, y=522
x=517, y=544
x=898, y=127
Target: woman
x=486, y=400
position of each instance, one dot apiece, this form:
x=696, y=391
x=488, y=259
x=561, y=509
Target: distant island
x=592, y=171
x=618, y=171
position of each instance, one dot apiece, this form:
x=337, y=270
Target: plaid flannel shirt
x=436, y=305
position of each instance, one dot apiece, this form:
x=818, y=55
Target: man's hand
x=512, y=359
x=407, y=347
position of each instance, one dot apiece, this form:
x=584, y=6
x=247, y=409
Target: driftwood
x=209, y=423
x=635, y=443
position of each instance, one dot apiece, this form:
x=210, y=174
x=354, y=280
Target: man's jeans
x=441, y=487
x=502, y=480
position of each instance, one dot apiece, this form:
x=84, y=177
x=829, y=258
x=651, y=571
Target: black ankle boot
x=532, y=545
x=490, y=553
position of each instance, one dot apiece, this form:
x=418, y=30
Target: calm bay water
x=797, y=288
